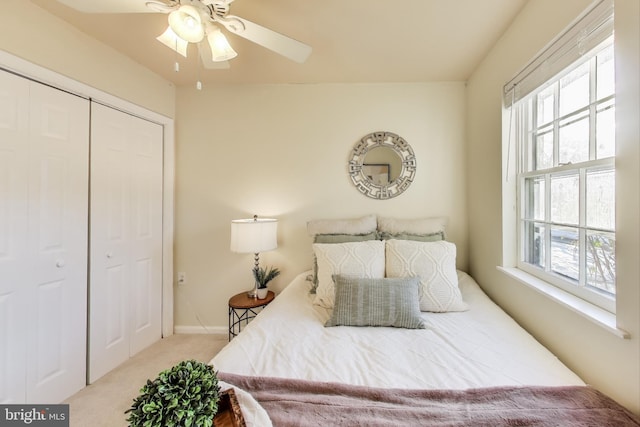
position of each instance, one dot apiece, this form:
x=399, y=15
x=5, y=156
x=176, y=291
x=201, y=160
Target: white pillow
x=413, y=226
x=356, y=259
x=364, y=225
x=435, y=264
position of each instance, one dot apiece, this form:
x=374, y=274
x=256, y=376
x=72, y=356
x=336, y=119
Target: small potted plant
x=263, y=277
x=185, y=395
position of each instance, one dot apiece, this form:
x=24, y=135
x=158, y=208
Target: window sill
x=595, y=314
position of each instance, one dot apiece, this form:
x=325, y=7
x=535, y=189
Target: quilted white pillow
x=435, y=264
x=356, y=259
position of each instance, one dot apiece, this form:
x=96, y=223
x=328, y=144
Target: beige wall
x=600, y=358
x=30, y=33
x=282, y=151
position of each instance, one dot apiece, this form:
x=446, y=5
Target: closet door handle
x=60, y=263
x=109, y=254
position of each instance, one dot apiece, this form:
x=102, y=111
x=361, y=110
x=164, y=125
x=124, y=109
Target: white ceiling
x=352, y=40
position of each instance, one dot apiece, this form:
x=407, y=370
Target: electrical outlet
x=182, y=278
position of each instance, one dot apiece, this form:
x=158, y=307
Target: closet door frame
x=40, y=74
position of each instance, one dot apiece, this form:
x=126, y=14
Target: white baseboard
x=189, y=329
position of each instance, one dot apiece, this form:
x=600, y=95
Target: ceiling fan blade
x=205, y=57
x=279, y=43
x=110, y=6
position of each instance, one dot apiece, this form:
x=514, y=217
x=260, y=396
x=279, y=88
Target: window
x=564, y=134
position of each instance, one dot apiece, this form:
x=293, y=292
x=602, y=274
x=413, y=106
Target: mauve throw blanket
x=291, y=402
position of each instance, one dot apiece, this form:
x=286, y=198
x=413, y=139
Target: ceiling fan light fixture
x=170, y=39
x=187, y=24
x=221, y=50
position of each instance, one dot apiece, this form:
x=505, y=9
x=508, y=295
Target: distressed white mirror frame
x=365, y=184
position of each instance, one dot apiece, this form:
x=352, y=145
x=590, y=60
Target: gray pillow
x=376, y=302
x=344, y=238
x=431, y=237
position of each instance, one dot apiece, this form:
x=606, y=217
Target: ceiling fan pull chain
x=176, y=64
x=199, y=82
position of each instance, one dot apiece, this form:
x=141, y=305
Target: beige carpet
x=103, y=403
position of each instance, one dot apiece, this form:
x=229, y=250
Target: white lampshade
x=187, y=24
x=221, y=50
x=170, y=39
x=254, y=235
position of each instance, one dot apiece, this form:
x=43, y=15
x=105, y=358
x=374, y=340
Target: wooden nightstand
x=243, y=308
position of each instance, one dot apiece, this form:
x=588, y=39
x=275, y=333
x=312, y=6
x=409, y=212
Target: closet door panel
x=14, y=267
x=110, y=252
x=58, y=227
x=49, y=329
x=14, y=93
x=146, y=233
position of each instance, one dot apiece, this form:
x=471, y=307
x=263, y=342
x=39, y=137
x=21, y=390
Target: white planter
x=262, y=293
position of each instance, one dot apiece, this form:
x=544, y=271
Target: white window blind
x=586, y=33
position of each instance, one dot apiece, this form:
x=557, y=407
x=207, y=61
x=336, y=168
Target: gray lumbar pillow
x=376, y=302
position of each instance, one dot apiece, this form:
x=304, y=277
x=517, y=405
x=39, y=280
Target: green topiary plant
x=264, y=276
x=182, y=396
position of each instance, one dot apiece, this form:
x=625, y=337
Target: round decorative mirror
x=382, y=165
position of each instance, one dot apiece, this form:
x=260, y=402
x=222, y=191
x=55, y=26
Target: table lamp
x=254, y=236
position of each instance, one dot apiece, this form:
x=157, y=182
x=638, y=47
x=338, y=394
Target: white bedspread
x=481, y=347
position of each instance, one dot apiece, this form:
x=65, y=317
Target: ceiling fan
x=199, y=21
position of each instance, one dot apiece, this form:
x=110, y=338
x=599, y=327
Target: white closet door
x=58, y=200
x=14, y=266
x=125, y=309
x=109, y=252
x=43, y=241
x=146, y=234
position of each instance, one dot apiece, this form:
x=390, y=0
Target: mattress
x=481, y=347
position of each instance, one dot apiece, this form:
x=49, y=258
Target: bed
x=325, y=353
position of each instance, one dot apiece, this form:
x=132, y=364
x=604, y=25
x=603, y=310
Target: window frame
x=526, y=131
